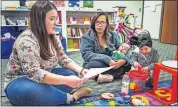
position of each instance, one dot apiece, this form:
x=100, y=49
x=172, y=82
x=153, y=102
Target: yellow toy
x=162, y=93
x=137, y=100
x=132, y=85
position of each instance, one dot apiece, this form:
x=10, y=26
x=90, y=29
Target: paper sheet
x=95, y=71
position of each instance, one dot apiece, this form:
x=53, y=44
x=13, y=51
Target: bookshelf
x=77, y=23
x=74, y=23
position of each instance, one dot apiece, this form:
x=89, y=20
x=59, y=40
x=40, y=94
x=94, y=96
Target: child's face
x=145, y=50
x=124, y=48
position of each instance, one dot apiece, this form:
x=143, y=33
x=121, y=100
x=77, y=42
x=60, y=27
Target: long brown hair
x=94, y=21
x=38, y=27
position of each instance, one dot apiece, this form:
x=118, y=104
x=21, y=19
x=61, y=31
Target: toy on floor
x=163, y=94
x=125, y=84
x=122, y=101
x=138, y=100
x=126, y=98
x=138, y=80
x=158, y=68
x=107, y=96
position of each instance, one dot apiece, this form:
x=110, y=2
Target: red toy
x=172, y=90
x=138, y=78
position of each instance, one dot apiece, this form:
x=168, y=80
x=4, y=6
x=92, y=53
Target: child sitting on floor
x=121, y=52
x=147, y=55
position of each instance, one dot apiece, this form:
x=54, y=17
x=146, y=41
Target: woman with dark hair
x=97, y=46
x=31, y=78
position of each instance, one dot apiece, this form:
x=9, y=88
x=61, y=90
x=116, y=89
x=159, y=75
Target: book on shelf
x=79, y=20
x=59, y=18
x=73, y=43
x=76, y=32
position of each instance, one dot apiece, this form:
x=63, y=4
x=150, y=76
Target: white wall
x=10, y=3
x=132, y=7
x=152, y=17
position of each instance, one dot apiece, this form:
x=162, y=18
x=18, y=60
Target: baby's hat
x=142, y=39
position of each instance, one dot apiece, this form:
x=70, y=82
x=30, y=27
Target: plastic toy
x=132, y=85
x=136, y=88
x=158, y=67
x=138, y=100
x=138, y=79
x=125, y=84
x=107, y=96
x=163, y=93
x=120, y=101
x=127, y=98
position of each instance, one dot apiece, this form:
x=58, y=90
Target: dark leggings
x=116, y=73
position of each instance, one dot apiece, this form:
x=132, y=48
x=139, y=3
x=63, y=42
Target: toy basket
x=138, y=80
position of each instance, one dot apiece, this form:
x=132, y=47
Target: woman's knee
x=23, y=91
x=94, y=64
x=64, y=71
x=20, y=89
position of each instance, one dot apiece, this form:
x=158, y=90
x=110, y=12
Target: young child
x=147, y=55
x=121, y=52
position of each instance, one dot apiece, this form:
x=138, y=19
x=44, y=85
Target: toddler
x=147, y=55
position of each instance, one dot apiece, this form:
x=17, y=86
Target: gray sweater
x=91, y=50
x=145, y=61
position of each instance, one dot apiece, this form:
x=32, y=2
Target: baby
x=121, y=52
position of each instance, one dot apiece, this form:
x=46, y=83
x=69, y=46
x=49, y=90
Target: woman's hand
x=136, y=65
x=119, y=63
x=84, y=71
x=112, y=63
x=145, y=69
x=73, y=81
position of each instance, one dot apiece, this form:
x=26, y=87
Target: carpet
x=96, y=100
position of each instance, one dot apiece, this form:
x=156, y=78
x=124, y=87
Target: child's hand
x=145, y=69
x=136, y=65
x=112, y=63
x=119, y=63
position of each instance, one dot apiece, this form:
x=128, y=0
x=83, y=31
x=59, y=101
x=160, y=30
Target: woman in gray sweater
x=97, y=46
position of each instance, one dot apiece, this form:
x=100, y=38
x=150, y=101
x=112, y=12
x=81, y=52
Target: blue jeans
x=25, y=92
x=116, y=73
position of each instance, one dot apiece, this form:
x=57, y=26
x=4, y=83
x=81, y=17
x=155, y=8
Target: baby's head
x=144, y=42
x=124, y=48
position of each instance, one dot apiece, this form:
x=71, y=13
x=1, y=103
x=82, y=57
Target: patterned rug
x=96, y=100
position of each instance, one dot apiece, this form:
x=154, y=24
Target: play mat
x=120, y=100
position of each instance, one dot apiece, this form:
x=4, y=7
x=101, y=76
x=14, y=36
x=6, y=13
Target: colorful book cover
x=88, y=3
x=74, y=3
x=59, y=3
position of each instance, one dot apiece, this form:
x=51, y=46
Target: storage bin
x=138, y=80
